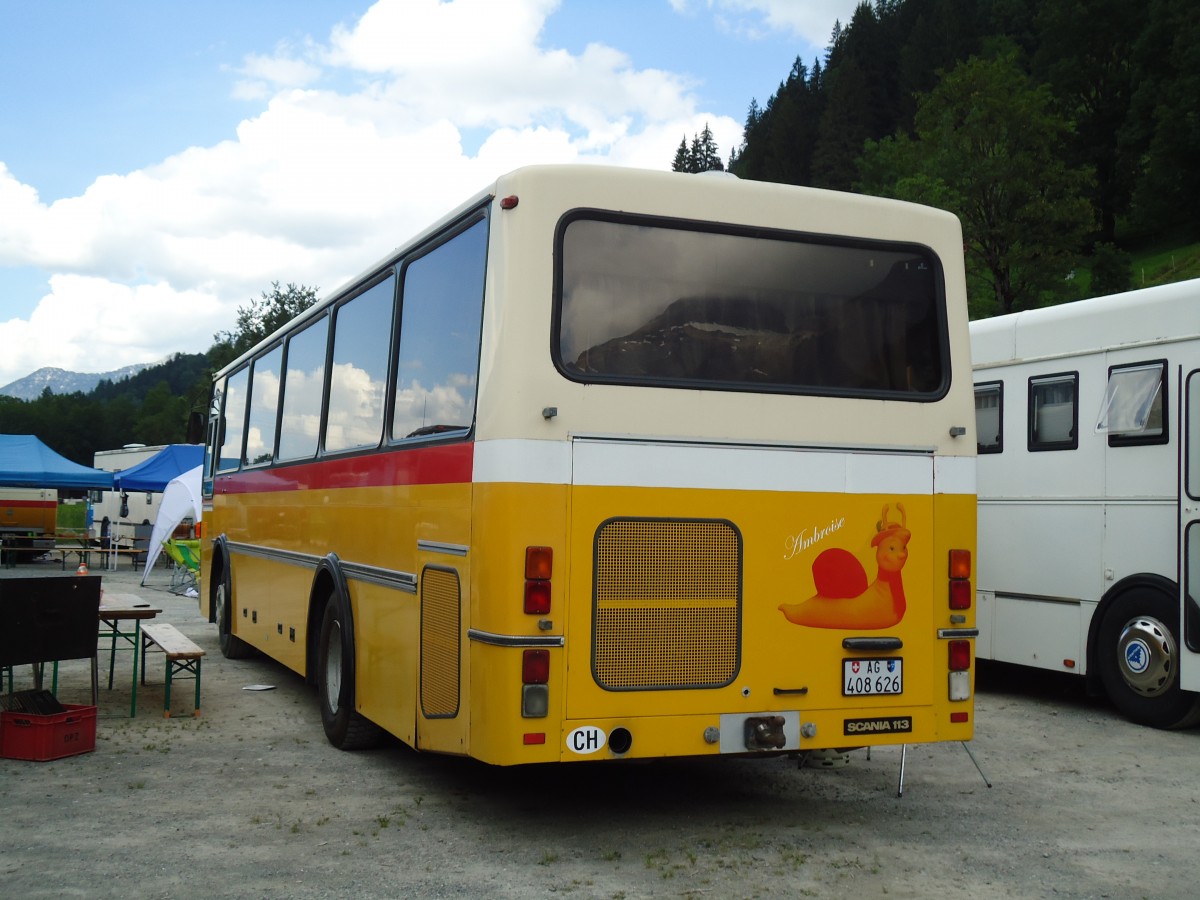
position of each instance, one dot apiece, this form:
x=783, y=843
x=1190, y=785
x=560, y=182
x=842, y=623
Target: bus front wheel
x=1138, y=655
x=232, y=646
x=345, y=728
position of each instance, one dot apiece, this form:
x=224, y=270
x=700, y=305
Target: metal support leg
x=978, y=767
x=196, y=705
x=137, y=651
x=965, y=746
x=112, y=656
x=167, y=692
x=175, y=667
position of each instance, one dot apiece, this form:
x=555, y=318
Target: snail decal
x=844, y=598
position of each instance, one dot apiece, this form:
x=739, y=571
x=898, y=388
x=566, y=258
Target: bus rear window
x=671, y=305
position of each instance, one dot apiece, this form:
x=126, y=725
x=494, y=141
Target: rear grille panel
x=667, y=604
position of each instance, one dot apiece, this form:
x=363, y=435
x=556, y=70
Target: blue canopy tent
x=26, y=462
x=155, y=473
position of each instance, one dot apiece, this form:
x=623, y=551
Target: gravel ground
x=249, y=800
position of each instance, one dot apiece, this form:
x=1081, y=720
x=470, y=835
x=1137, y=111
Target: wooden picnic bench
x=182, y=656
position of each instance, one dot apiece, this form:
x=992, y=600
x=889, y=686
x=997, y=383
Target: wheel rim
x=333, y=667
x=223, y=625
x=1146, y=654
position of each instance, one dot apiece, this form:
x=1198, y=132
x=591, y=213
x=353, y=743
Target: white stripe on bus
x=612, y=463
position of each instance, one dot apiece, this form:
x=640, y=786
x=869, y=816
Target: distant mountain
x=61, y=381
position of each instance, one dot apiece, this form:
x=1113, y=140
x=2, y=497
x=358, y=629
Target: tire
x=1138, y=659
x=345, y=728
x=232, y=646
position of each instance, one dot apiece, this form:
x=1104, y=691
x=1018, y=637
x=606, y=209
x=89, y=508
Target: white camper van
x=1088, y=430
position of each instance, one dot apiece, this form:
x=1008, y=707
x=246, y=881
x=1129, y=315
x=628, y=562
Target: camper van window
x=1054, y=412
x=1133, y=407
x=989, y=416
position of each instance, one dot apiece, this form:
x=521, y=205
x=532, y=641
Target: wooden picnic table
x=111, y=554
x=116, y=609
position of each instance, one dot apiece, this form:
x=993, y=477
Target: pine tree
x=702, y=156
x=682, y=159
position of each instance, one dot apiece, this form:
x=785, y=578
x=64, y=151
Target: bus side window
x=989, y=416
x=358, y=378
x=303, y=388
x=437, y=368
x=264, y=408
x=1134, y=408
x=1054, y=412
x=233, y=420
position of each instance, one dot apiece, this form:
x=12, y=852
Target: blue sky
x=163, y=162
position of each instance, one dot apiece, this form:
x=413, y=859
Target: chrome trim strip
x=514, y=640
x=946, y=634
x=388, y=578
x=1037, y=598
x=288, y=557
x=439, y=547
x=400, y=581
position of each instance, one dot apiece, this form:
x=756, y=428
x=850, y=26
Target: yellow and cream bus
x=615, y=464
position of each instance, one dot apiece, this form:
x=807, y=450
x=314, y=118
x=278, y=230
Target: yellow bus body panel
x=786, y=667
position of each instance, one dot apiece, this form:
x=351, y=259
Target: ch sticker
x=585, y=740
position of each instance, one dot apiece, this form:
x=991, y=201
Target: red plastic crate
x=40, y=738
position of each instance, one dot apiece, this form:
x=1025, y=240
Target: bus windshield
x=672, y=305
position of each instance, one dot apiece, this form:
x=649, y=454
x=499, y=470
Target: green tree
x=702, y=156
x=162, y=417
x=987, y=146
x=1085, y=54
x=779, y=141
x=683, y=159
x=1112, y=270
x=862, y=99
x=260, y=318
x=1163, y=128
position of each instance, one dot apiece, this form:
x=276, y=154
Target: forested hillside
x=1065, y=135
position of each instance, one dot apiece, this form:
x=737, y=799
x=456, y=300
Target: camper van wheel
x=232, y=646
x=345, y=728
x=1138, y=660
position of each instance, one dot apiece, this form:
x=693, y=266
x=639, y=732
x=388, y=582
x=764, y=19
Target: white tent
x=181, y=498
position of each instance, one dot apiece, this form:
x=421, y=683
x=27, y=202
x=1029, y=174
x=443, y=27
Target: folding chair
x=185, y=568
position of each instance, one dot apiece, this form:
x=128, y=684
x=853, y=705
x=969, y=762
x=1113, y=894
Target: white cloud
x=810, y=20
x=286, y=68
x=88, y=324
x=322, y=182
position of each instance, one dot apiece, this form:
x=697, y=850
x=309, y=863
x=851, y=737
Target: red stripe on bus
x=30, y=504
x=449, y=464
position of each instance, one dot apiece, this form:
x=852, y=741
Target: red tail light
x=539, y=566
x=960, y=579
x=960, y=563
x=537, y=597
x=960, y=656
x=535, y=666
x=539, y=563
x=960, y=595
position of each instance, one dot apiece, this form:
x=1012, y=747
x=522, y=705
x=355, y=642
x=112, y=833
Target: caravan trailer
x=1088, y=430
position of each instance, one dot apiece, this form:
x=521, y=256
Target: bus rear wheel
x=345, y=728
x=1138, y=652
